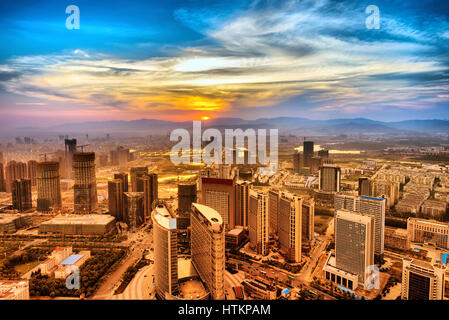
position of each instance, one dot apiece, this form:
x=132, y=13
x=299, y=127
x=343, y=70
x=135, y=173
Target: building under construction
x=85, y=188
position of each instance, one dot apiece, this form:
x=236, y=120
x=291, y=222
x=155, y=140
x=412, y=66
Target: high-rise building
x=289, y=226
x=32, y=166
x=241, y=202
x=273, y=211
x=124, y=177
x=186, y=196
x=150, y=192
x=14, y=171
x=208, y=248
x=134, y=210
x=308, y=220
x=308, y=153
x=298, y=162
x=315, y=164
x=21, y=194
x=354, y=243
x=85, y=187
x=258, y=221
x=136, y=173
x=116, y=199
x=329, y=178
x=367, y=205
x=365, y=187
x=48, y=186
x=219, y=194
x=422, y=280
x=324, y=153
x=2, y=179
x=70, y=149
x=165, y=252
x=376, y=208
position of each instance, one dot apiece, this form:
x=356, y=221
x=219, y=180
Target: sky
x=183, y=60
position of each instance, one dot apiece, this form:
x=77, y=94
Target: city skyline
x=184, y=61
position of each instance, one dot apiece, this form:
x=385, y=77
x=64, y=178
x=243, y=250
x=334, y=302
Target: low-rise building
x=396, y=238
x=14, y=290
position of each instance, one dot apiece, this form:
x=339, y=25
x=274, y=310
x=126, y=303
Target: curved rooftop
x=210, y=214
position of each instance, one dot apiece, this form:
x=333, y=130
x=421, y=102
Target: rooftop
x=163, y=217
x=72, y=259
x=210, y=214
x=83, y=219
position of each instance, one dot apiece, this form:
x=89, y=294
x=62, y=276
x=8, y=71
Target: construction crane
x=82, y=147
x=45, y=155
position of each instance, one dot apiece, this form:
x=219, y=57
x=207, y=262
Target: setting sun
x=205, y=118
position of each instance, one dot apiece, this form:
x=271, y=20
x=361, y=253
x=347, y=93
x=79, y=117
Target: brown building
x=136, y=173
x=2, y=179
x=150, y=192
x=134, y=209
x=219, y=194
x=241, y=203
x=48, y=186
x=307, y=221
x=273, y=208
x=21, y=194
x=116, y=198
x=85, y=187
x=32, y=166
x=14, y=171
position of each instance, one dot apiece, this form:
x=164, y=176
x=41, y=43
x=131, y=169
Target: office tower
x=289, y=226
x=422, y=280
x=329, y=178
x=273, y=211
x=308, y=220
x=186, y=196
x=32, y=165
x=134, y=210
x=376, y=208
x=219, y=194
x=14, y=171
x=387, y=189
x=21, y=194
x=207, y=247
x=2, y=159
x=258, y=222
x=2, y=179
x=365, y=187
x=150, y=192
x=48, y=186
x=308, y=153
x=137, y=172
x=241, y=203
x=70, y=149
x=298, y=163
x=323, y=153
x=165, y=252
x=103, y=160
x=123, y=156
x=85, y=187
x=315, y=164
x=354, y=243
x=116, y=198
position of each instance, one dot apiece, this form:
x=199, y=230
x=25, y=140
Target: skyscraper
x=308, y=153
x=186, y=196
x=48, y=186
x=124, y=177
x=354, y=243
x=116, y=198
x=290, y=226
x=134, y=210
x=367, y=205
x=21, y=194
x=329, y=178
x=32, y=165
x=136, y=173
x=85, y=187
x=273, y=214
x=422, y=280
x=70, y=149
x=219, y=194
x=307, y=221
x=150, y=192
x=241, y=202
x=258, y=221
x=165, y=252
x=208, y=248
x=298, y=162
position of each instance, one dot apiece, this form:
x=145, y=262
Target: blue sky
x=187, y=59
